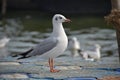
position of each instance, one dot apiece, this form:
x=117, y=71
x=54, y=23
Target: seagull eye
x=56, y=18
x=60, y=17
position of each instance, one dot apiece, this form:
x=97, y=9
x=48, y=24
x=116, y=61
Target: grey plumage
x=41, y=48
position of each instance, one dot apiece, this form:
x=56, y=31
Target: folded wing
x=41, y=48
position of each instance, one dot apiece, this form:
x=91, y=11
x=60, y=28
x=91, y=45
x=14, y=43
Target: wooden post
x=4, y=3
x=3, y=13
x=115, y=4
x=114, y=18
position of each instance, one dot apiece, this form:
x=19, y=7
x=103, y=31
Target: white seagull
x=3, y=50
x=4, y=41
x=74, y=46
x=52, y=46
x=94, y=54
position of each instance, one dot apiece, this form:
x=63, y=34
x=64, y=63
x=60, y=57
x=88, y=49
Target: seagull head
x=97, y=46
x=58, y=18
x=74, y=38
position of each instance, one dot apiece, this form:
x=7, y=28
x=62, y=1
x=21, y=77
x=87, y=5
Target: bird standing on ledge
x=74, y=46
x=52, y=46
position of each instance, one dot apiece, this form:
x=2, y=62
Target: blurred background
x=27, y=22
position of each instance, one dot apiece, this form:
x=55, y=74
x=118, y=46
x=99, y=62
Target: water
x=24, y=40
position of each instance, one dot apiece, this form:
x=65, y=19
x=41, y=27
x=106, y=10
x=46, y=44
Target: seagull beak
x=68, y=20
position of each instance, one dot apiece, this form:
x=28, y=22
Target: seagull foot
x=54, y=70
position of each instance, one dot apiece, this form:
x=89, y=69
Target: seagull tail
x=24, y=55
x=80, y=50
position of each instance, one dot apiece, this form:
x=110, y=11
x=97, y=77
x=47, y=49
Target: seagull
x=4, y=41
x=94, y=54
x=52, y=46
x=3, y=50
x=74, y=46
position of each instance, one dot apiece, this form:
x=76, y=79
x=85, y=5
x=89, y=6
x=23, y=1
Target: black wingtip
x=24, y=55
x=80, y=50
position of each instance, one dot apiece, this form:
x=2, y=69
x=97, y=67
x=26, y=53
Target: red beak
x=68, y=20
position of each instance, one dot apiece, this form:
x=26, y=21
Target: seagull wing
x=44, y=47
x=41, y=48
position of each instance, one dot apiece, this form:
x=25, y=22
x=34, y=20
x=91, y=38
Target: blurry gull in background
x=4, y=41
x=92, y=54
x=52, y=46
x=3, y=51
x=74, y=46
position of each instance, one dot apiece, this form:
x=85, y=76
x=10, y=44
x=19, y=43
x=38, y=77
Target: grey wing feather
x=43, y=47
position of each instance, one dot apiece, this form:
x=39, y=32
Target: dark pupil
x=56, y=19
x=60, y=17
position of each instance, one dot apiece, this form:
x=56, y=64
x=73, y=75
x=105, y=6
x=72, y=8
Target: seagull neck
x=58, y=29
x=98, y=51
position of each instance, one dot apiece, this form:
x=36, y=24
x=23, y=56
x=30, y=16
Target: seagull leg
x=51, y=64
